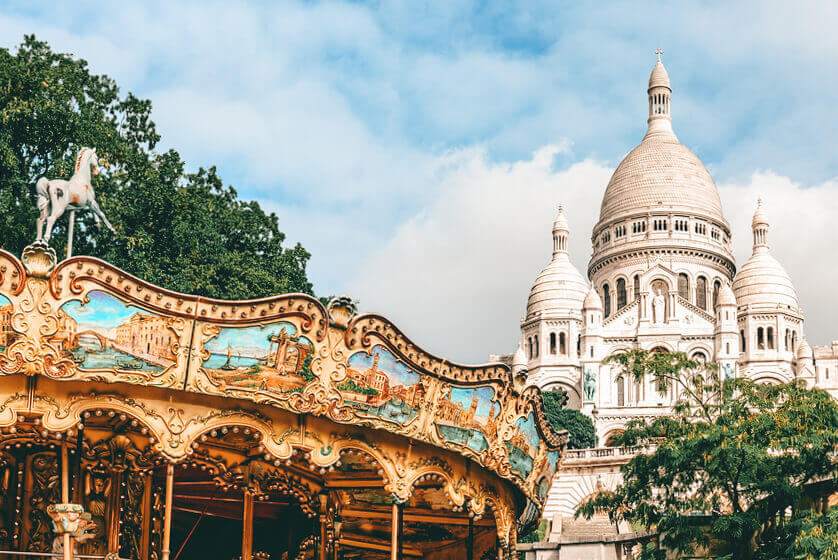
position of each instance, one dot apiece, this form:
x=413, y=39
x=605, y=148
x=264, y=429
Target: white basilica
x=662, y=275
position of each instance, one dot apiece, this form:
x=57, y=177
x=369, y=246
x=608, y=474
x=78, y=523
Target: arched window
x=684, y=286
x=562, y=344
x=535, y=344
x=716, y=287
x=636, y=286
x=621, y=391
x=701, y=293
x=770, y=337
x=793, y=341
x=621, y=293
x=529, y=343
x=579, y=345
x=742, y=337
x=787, y=340
x=606, y=300
x=552, y=343
x=761, y=338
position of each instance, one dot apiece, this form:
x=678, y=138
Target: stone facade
x=661, y=276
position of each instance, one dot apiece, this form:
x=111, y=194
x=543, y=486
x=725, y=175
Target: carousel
x=139, y=423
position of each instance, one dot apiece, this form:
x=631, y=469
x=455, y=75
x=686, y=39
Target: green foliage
x=305, y=369
x=351, y=387
x=183, y=231
x=734, y=454
x=817, y=537
x=580, y=427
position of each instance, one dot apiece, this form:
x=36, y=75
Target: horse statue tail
x=42, y=188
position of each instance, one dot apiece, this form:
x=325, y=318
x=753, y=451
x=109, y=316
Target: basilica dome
x=660, y=173
x=762, y=280
x=560, y=285
x=660, y=204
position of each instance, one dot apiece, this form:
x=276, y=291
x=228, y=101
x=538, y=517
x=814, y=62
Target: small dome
x=659, y=77
x=519, y=359
x=559, y=286
x=804, y=351
x=592, y=300
x=726, y=296
x=560, y=223
x=762, y=281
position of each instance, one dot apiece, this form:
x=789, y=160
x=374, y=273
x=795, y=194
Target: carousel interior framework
x=139, y=423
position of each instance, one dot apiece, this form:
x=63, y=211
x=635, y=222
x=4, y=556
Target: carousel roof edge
x=85, y=319
x=363, y=325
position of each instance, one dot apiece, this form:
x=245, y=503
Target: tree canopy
x=730, y=463
x=579, y=426
x=180, y=230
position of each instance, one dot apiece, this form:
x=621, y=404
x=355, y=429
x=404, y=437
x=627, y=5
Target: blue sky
x=103, y=312
x=249, y=337
x=398, y=372
x=419, y=151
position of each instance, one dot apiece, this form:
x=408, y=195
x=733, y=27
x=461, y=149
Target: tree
x=183, y=231
x=580, y=427
x=727, y=465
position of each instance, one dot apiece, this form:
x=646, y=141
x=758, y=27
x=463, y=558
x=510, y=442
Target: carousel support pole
x=70, y=233
x=65, y=497
x=470, y=539
x=145, y=543
x=397, y=546
x=167, y=517
x=118, y=478
x=78, y=485
x=247, y=525
x=324, y=545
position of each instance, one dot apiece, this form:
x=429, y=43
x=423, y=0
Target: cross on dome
x=659, y=52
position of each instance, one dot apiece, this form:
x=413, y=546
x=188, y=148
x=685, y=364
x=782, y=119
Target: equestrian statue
x=56, y=196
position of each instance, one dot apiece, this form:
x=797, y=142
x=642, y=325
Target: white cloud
x=456, y=276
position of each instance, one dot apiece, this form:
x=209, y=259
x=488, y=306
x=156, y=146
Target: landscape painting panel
x=523, y=445
x=7, y=335
x=380, y=385
x=272, y=358
x=468, y=416
x=106, y=333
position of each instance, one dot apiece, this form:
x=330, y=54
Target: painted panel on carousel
x=379, y=385
x=551, y=462
x=105, y=333
x=7, y=335
x=270, y=357
x=523, y=445
x=468, y=417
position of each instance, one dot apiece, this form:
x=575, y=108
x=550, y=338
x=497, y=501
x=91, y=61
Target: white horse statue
x=56, y=196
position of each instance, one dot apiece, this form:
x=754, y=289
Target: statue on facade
x=589, y=386
x=658, y=307
x=56, y=196
x=729, y=373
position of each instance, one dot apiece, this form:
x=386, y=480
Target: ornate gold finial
x=39, y=259
x=341, y=310
x=659, y=52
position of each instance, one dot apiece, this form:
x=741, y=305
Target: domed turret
x=592, y=301
x=726, y=296
x=762, y=281
x=804, y=351
x=559, y=288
